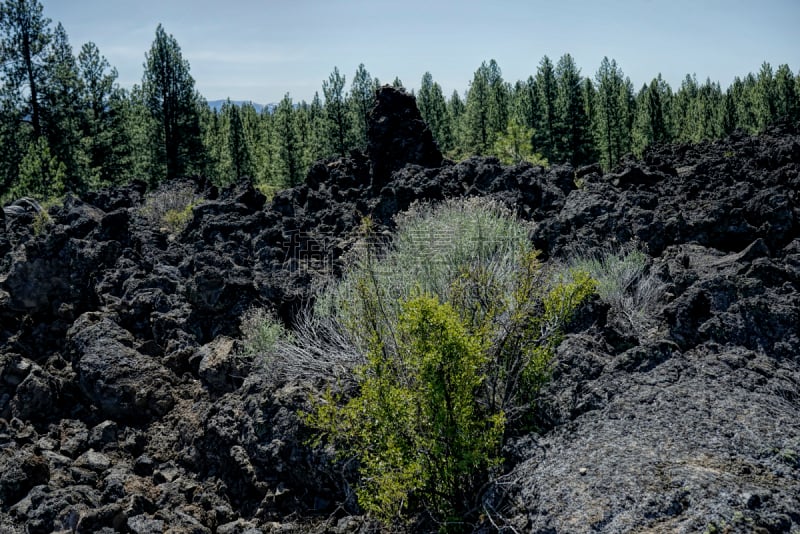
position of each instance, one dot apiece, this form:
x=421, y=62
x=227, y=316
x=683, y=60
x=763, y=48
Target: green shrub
x=431, y=247
x=261, y=331
x=268, y=190
x=522, y=317
x=176, y=220
x=170, y=207
x=422, y=437
x=455, y=323
x=514, y=146
x=625, y=282
x=41, y=222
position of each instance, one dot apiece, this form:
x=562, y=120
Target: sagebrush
x=169, y=208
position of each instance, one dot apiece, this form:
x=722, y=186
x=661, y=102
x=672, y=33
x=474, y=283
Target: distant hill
x=217, y=104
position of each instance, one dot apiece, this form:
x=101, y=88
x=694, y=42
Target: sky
x=261, y=50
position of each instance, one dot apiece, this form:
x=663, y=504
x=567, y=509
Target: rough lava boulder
x=398, y=136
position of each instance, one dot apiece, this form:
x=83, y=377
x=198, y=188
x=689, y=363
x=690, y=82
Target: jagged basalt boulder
x=116, y=378
x=20, y=471
x=398, y=136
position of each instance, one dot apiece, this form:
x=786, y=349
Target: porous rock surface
x=127, y=406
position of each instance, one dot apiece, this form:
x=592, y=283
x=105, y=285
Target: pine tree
x=105, y=137
x=142, y=130
x=174, y=104
x=571, y=123
x=23, y=56
x=238, y=146
x=627, y=104
x=25, y=36
x=706, y=113
x=362, y=97
x=515, y=146
x=764, y=100
x=316, y=124
x=41, y=174
x=433, y=109
x=612, y=113
x=305, y=135
x=253, y=137
x=589, y=97
x=456, y=111
x=498, y=100
x=652, y=109
x=268, y=171
x=797, y=92
x=546, y=94
x=336, y=117
x=289, y=151
x=215, y=144
x=478, y=137
x=682, y=109
x=523, y=103
x=786, y=97
x=747, y=105
x=642, y=134
x=12, y=147
x=425, y=99
x=740, y=93
x=61, y=113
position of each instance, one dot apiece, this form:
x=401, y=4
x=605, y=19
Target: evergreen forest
x=66, y=124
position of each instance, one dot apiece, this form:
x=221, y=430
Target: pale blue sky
x=259, y=50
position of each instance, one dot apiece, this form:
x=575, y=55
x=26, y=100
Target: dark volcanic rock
x=20, y=471
x=398, y=136
x=126, y=406
x=120, y=381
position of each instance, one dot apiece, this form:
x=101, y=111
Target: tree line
x=67, y=125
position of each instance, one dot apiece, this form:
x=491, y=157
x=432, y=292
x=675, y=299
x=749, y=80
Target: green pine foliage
x=288, y=150
x=433, y=108
x=523, y=104
x=613, y=113
x=361, y=100
x=103, y=134
x=41, y=174
x=456, y=111
x=106, y=137
x=572, y=127
x=238, y=143
x=175, y=106
x=787, y=101
x=651, y=125
x=24, y=47
x=546, y=94
x=478, y=136
x=337, y=117
x=515, y=146
x=61, y=113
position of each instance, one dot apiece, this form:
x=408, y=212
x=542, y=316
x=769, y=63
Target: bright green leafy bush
x=456, y=322
x=423, y=438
